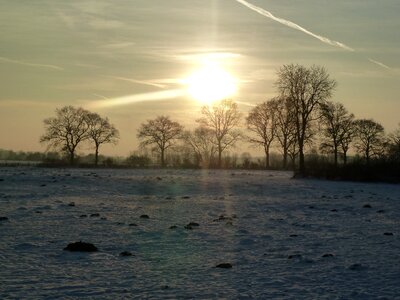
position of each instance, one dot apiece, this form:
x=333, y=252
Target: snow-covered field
x=275, y=232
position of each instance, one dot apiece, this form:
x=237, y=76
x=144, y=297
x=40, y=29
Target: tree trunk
x=96, y=156
x=367, y=153
x=344, y=157
x=285, y=155
x=71, y=157
x=219, y=156
x=266, y=149
x=335, y=152
x=162, y=158
x=302, y=166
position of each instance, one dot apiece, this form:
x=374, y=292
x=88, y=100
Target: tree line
x=74, y=126
x=300, y=117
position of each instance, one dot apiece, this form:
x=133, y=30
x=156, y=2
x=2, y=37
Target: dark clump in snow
x=95, y=215
x=71, y=204
x=133, y=224
x=224, y=266
x=367, y=206
x=388, y=233
x=294, y=256
x=223, y=218
x=3, y=219
x=356, y=267
x=381, y=211
x=173, y=227
x=125, y=253
x=144, y=217
x=191, y=225
x=81, y=247
x=327, y=255
x=83, y=216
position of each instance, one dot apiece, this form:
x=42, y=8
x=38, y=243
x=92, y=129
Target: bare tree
x=261, y=121
x=370, y=137
x=100, y=131
x=222, y=118
x=161, y=132
x=336, y=128
x=306, y=88
x=394, y=144
x=285, y=128
x=201, y=142
x=67, y=130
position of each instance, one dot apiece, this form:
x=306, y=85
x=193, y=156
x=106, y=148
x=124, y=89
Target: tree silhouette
x=100, y=131
x=306, y=89
x=161, y=132
x=337, y=128
x=370, y=138
x=201, y=142
x=261, y=121
x=222, y=119
x=67, y=130
x=286, y=129
x=394, y=144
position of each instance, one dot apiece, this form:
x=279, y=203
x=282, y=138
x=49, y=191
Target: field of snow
x=285, y=238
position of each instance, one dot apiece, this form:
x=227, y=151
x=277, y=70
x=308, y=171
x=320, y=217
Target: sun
x=211, y=83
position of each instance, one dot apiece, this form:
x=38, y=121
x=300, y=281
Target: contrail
x=138, y=81
x=130, y=99
x=245, y=103
x=290, y=24
x=5, y=59
x=379, y=63
x=267, y=14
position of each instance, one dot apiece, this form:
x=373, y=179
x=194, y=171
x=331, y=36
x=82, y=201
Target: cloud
x=118, y=45
x=144, y=82
x=98, y=23
x=137, y=98
x=29, y=64
x=379, y=63
x=290, y=24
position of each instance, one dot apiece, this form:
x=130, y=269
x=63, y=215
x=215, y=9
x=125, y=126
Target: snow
x=269, y=218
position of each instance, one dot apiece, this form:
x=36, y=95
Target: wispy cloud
x=119, y=45
x=144, y=82
x=290, y=24
x=29, y=64
x=379, y=63
x=137, y=98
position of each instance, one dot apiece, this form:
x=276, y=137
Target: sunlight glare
x=210, y=83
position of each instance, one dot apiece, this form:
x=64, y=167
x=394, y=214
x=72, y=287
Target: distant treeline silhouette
x=312, y=134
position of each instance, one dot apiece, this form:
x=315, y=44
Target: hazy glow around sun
x=210, y=83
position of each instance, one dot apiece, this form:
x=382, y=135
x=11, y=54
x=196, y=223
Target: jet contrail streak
x=138, y=81
x=5, y=59
x=288, y=23
x=379, y=63
x=130, y=99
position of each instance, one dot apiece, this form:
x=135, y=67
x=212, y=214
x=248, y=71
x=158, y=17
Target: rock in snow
x=81, y=247
x=224, y=266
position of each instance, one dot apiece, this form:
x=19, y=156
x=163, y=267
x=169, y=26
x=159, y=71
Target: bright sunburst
x=211, y=83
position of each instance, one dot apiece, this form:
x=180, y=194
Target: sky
x=55, y=53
